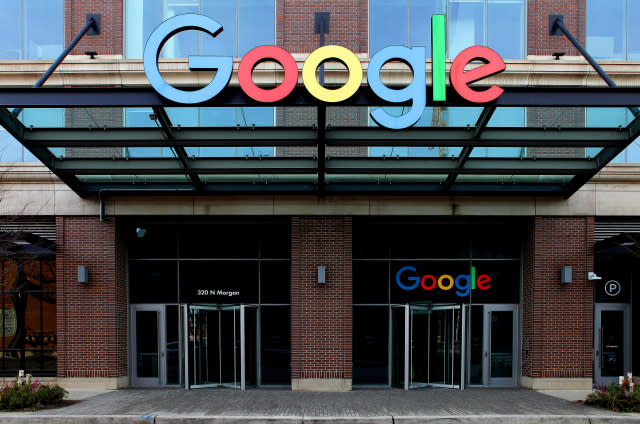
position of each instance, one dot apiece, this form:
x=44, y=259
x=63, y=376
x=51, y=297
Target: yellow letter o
x=445, y=277
x=322, y=54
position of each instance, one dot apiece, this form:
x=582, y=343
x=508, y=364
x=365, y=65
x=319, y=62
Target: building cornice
x=114, y=71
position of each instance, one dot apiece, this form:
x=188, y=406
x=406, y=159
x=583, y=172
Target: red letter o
x=261, y=54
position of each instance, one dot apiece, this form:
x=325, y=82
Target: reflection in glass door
x=419, y=354
x=612, y=346
x=222, y=346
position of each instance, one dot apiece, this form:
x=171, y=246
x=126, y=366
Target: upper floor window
x=32, y=29
x=611, y=33
x=247, y=24
x=499, y=24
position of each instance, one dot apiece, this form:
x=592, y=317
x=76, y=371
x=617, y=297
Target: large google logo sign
x=414, y=57
x=464, y=283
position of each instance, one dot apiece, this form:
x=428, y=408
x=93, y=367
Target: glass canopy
x=531, y=141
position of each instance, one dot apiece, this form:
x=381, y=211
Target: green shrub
x=616, y=397
x=26, y=393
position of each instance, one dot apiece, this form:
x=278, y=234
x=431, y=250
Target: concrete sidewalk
x=168, y=405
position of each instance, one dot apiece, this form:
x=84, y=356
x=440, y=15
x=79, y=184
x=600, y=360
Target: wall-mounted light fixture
x=322, y=274
x=566, y=275
x=83, y=274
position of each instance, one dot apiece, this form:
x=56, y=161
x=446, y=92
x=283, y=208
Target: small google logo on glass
x=464, y=283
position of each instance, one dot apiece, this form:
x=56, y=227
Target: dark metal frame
x=322, y=174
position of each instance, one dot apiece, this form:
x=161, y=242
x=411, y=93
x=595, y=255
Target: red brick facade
x=557, y=318
x=349, y=24
x=539, y=42
x=92, y=317
x=321, y=314
x=109, y=41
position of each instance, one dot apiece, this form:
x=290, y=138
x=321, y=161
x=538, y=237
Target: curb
x=180, y=419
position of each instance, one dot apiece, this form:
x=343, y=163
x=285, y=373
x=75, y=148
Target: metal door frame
x=486, y=346
x=597, y=339
x=161, y=380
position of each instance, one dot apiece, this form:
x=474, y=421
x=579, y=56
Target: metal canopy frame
x=323, y=173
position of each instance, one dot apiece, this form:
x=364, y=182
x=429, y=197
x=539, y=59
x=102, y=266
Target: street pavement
x=377, y=406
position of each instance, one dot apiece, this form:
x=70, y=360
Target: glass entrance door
x=427, y=345
x=222, y=346
x=500, y=345
x=612, y=342
x=148, y=355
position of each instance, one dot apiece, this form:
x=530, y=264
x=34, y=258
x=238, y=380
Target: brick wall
x=539, y=42
x=321, y=313
x=109, y=42
x=557, y=322
x=92, y=317
x=295, y=20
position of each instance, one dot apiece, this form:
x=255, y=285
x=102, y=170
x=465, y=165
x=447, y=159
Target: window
x=499, y=24
x=32, y=29
x=28, y=313
x=238, y=18
x=610, y=30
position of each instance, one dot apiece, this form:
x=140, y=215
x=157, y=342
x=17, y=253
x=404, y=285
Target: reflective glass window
x=32, y=29
x=28, y=338
x=497, y=23
x=246, y=24
x=606, y=28
x=43, y=29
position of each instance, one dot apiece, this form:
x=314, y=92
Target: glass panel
x=141, y=18
x=43, y=28
x=612, y=343
x=138, y=117
x=440, y=347
x=419, y=352
x=501, y=344
x=633, y=31
x=10, y=149
x=476, y=348
x=219, y=241
x=275, y=280
x=466, y=25
x=185, y=43
x=420, y=12
x=133, y=179
x=172, y=324
x=204, y=347
x=10, y=20
x=506, y=28
x=370, y=282
x=606, y=28
x=251, y=35
x=275, y=241
x=152, y=241
x=147, y=344
x=388, y=20
x=515, y=179
x=276, y=344
x=230, y=347
x=514, y=117
x=250, y=346
x=370, y=344
x=224, y=44
x=221, y=281
x=153, y=281
x=397, y=345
